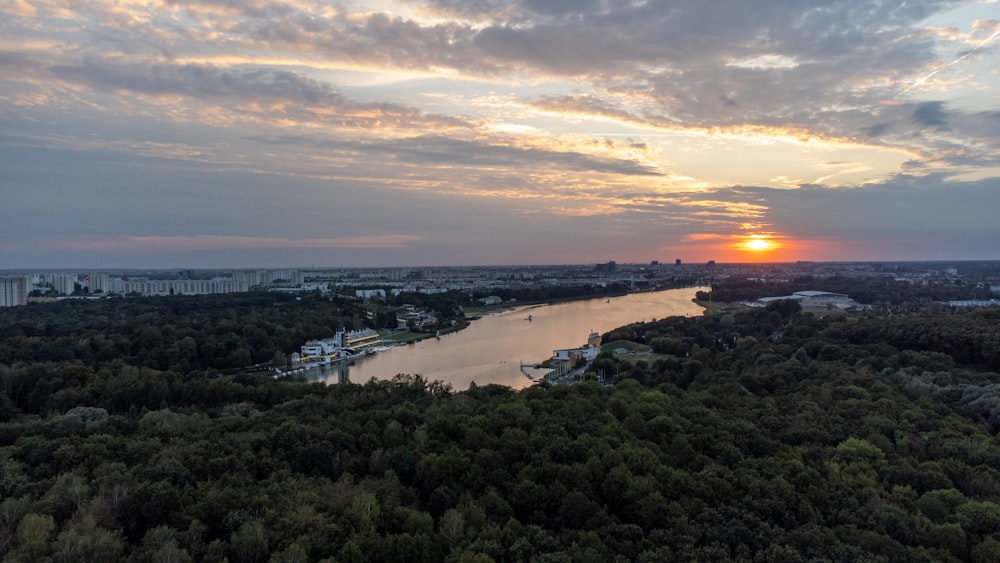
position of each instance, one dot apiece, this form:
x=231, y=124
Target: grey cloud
x=616, y=38
x=377, y=39
x=673, y=52
x=200, y=81
x=930, y=114
x=255, y=8
x=876, y=130
x=215, y=84
x=906, y=216
x=680, y=55
x=442, y=150
x=687, y=34
x=563, y=7
x=469, y=156
x=13, y=59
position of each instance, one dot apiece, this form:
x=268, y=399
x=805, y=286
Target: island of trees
x=763, y=435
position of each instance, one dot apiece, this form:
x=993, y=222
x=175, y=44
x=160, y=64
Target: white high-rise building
x=293, y=277
x=64, y=284
x=185, y=287
x=13, y=292
x=99, y=282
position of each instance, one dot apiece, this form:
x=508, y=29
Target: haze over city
x=287, y=134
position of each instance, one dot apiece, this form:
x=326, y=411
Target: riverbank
x=714, y=307
x=508, y=306
x=489, y=350
x=627, y=351
x=391, y=338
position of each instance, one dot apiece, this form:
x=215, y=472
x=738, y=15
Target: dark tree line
x=770, y=435
x=880, y=291
x=177, y=333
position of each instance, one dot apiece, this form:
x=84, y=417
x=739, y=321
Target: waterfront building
x=319, y=350
x=342, y=344
x=360, y=339
x=569, y=357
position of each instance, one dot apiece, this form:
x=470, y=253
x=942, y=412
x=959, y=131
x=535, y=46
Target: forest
x=766, y=435
x=883, y=293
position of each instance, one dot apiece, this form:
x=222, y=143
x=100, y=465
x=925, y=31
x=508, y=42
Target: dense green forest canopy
x=770, y=435
x=882, y=292
x=177, y=333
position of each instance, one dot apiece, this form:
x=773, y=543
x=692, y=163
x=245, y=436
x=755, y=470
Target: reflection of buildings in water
x=324, y=372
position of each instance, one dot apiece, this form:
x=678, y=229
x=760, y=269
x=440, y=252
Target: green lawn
x=635, y=352
x=393, y=337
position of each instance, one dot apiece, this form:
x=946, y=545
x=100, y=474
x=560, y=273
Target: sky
x=287, y=133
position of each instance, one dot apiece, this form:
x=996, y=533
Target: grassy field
x=634, y=352
x=394, y=337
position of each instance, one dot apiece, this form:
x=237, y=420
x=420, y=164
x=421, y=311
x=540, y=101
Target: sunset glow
x=758, y=244
x=212, y=134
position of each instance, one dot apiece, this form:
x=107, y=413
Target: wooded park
x=766, y=435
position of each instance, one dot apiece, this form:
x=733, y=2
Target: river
x=491, y=348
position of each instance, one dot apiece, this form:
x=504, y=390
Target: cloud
x=876, y=130
x=930, y=114
x=144, y=243
x=639, y=119
x=906, y=216
x=281, y=94
x=201, y=81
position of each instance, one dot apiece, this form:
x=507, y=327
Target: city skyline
x=204, y=134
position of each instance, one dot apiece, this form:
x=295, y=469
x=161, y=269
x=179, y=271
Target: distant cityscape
x=22, y=287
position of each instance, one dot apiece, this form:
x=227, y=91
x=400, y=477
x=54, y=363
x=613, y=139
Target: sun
x=758, y=244
x=758, y=247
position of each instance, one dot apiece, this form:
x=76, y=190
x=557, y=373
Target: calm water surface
x=491, y=349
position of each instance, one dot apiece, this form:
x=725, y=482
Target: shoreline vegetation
x=391, y=337
x=770, y=434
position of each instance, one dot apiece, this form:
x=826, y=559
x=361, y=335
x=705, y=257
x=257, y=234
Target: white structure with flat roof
x=814, y=299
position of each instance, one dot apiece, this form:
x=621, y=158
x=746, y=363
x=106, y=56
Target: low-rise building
x=369, y=293
x=343, y=343
x=570, y=357
x=814, y=299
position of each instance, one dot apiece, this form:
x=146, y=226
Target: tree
x=249, y=543
x=85, y=542
x=33, y=534
x=452, y=527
